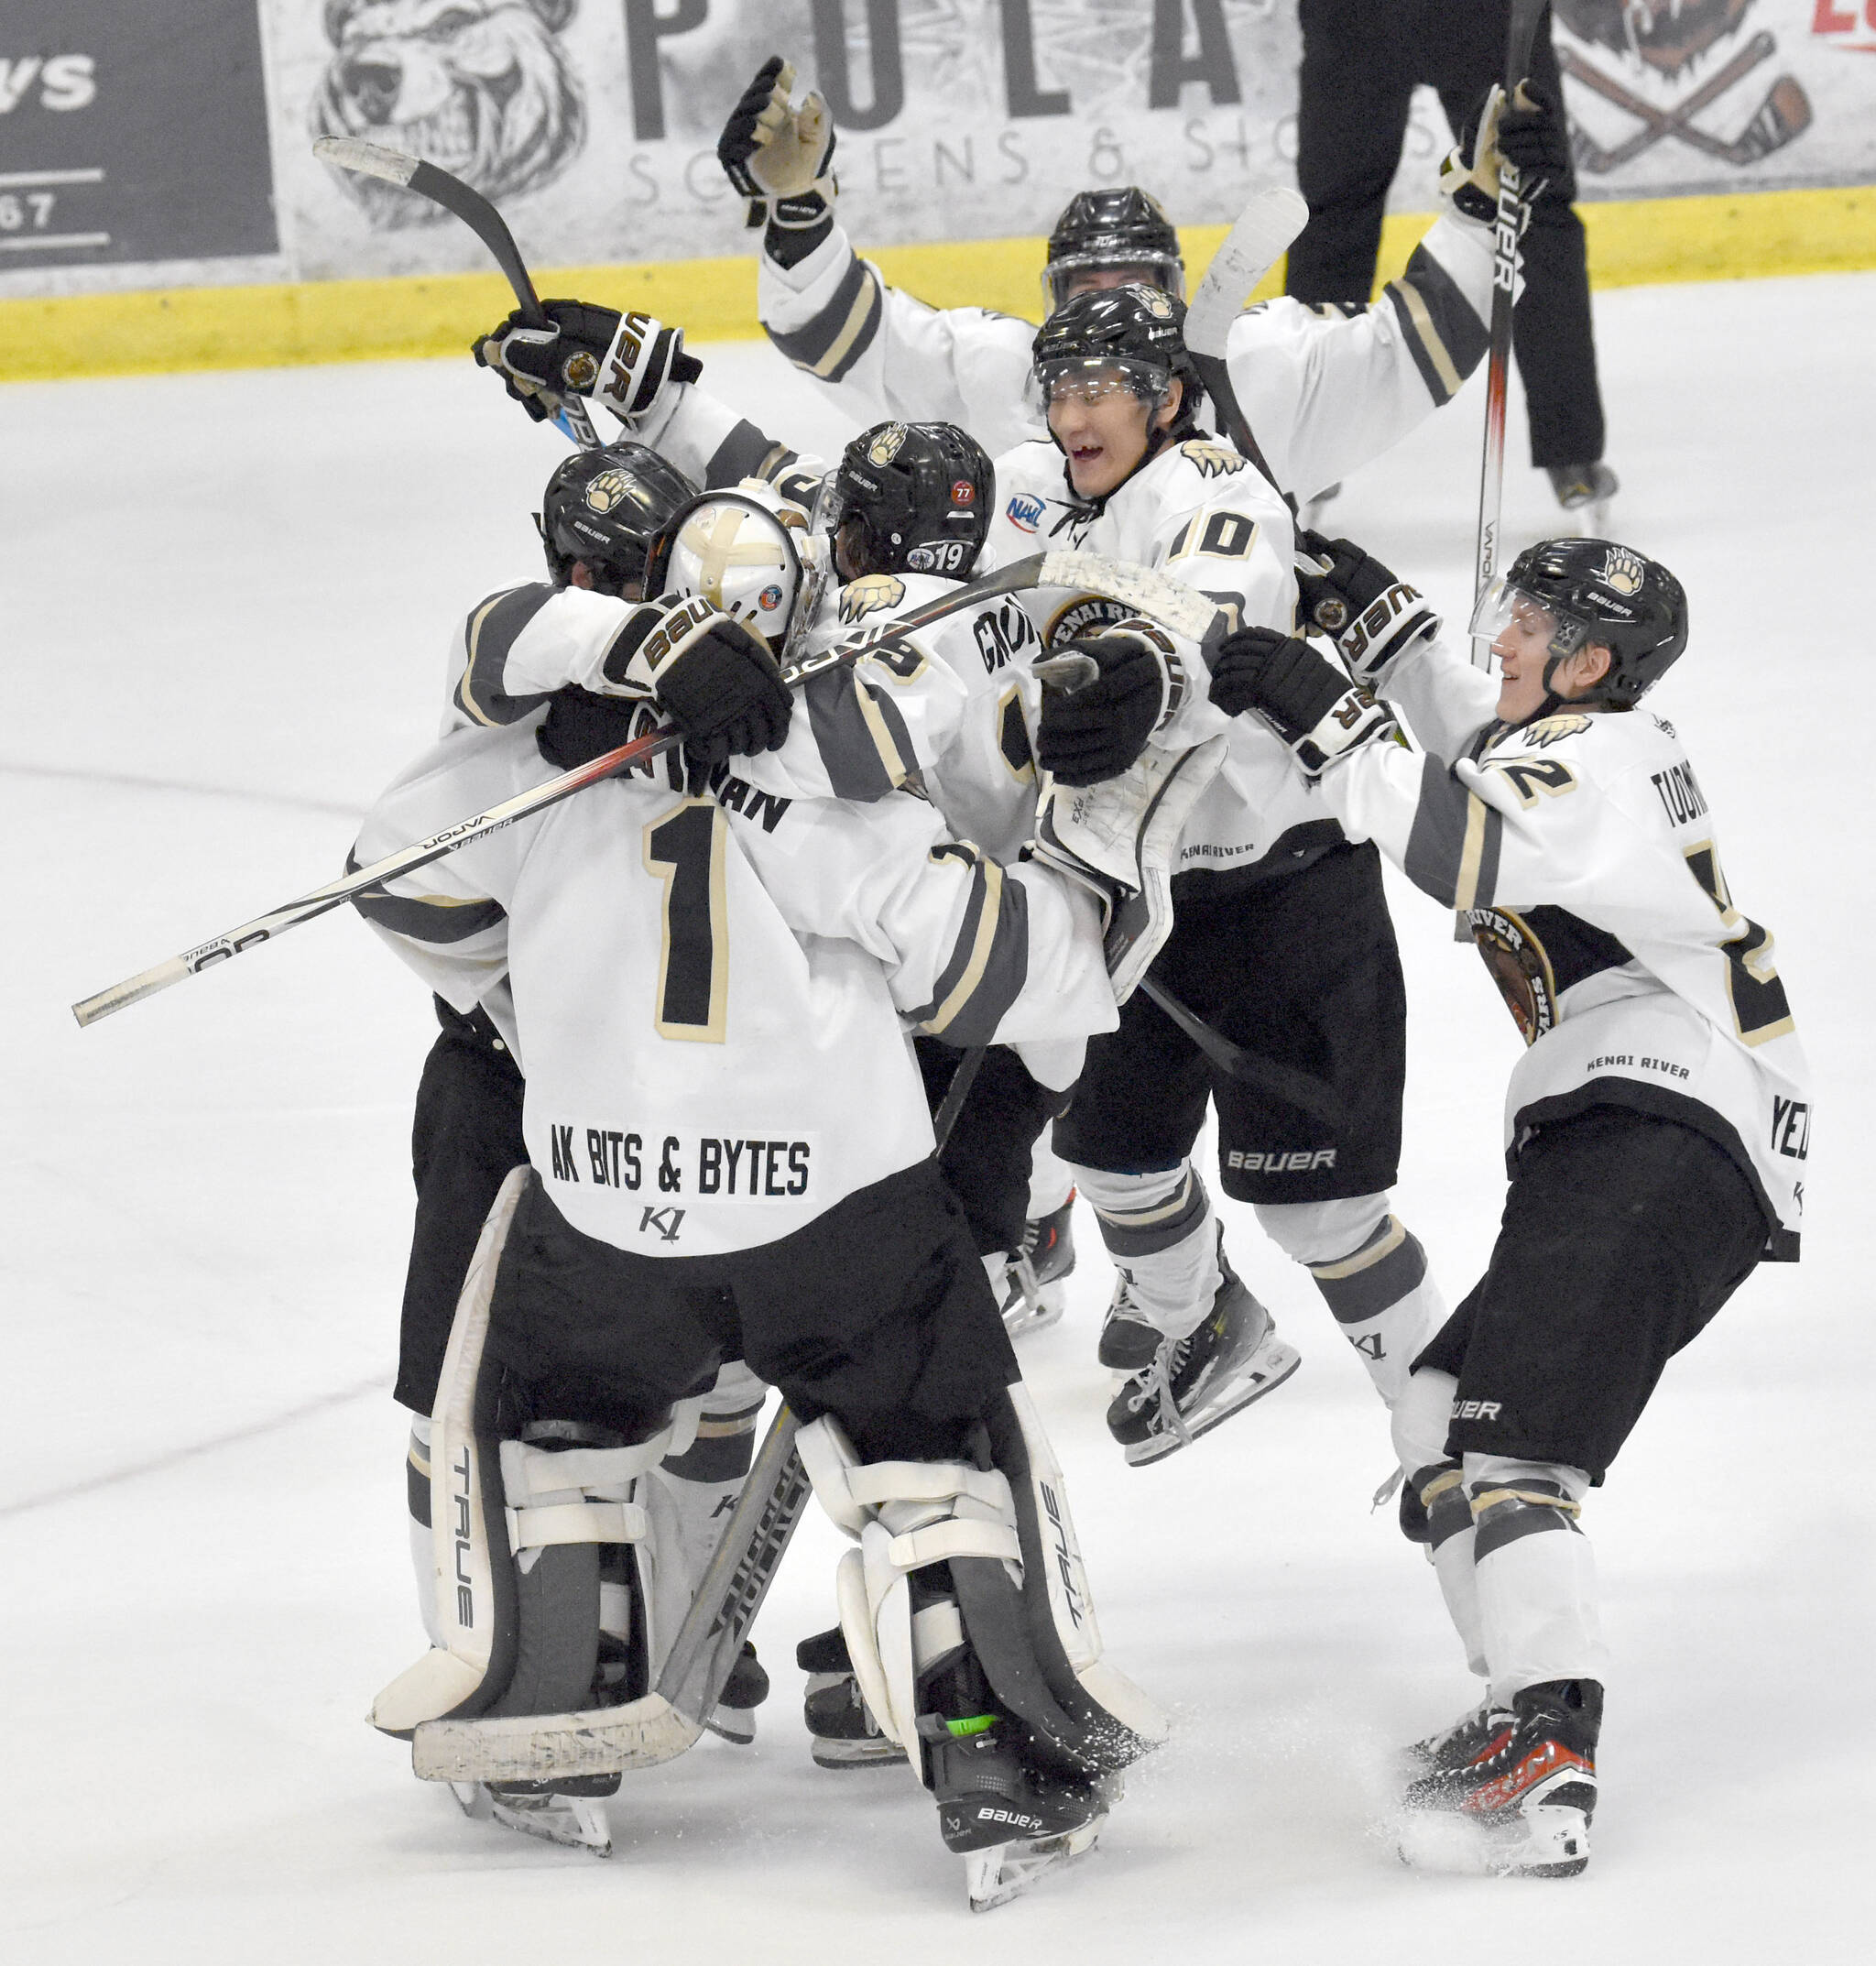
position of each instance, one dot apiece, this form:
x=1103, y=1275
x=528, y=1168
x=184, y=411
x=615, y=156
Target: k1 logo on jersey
x=1025, y=510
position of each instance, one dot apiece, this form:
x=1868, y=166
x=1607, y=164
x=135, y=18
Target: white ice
x=224, y=601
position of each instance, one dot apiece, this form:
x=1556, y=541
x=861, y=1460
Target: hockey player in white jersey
x=1324, y=388
x=605, y=522
x=730, y=1155
x=1656, y=1131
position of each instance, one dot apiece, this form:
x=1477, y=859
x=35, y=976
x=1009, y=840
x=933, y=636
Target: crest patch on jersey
x=887, y=445
x=869, y=595
x=605, y=491
x=1086, y=614
x=1520, y=967
x=1025, y=511
x=1214, y=461
x=1622, y=571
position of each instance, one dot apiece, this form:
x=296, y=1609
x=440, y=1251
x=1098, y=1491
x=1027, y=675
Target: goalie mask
x=916, y=497
x=613, y=509
x=1581, y=592
x=740, y=556
x=1111, y=232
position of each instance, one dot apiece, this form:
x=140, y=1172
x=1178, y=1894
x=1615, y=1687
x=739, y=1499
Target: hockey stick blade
x=1180, y=609
x=571, y=417
x=668, y=1720
x=1265, y=230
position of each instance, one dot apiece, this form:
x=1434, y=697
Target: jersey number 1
x=686, y=850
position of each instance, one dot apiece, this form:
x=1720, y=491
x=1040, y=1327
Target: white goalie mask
x=739, y=555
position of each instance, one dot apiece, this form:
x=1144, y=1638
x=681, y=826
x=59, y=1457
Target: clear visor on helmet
x=1095, y=379
x=740, y=557
x=1076, y=273
x=1534, y=621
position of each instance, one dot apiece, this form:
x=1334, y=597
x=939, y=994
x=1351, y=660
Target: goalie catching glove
x=1303, y=697
x=715, y=678
x=777, y=156
x=622, y=360
x=1370, y=615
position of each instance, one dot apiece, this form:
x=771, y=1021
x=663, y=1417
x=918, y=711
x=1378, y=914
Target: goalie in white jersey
x=731, y=1156
x=1656, y=1132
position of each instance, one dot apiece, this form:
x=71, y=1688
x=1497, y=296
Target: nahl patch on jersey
x=869, y=595
x=1214, y=461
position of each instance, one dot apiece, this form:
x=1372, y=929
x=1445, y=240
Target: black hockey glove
x=1370, y=616
x=1468, y=177
x=620, y=360
x=778, y=157
x=715, y=678
x=580, y=725
x=1532, y=138
x=1096, y=730
x=1303, y=697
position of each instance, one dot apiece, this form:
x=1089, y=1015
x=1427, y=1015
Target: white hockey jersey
x=1584, y=853
x=711, y=994
x=1324, y=388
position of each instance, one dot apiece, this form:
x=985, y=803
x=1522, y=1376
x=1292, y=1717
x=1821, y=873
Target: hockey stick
x=1509, y=225
x=1656, y=124
x=1784, y=113
x=664, y=1722
x=1263, y=234
x=571, y=416
x=1302, y=1090
x=955, y=1094
x=1182, y=608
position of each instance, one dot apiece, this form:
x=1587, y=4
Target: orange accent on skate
x=1539, y=1765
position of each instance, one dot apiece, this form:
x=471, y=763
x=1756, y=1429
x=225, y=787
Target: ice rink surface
x=225, y=602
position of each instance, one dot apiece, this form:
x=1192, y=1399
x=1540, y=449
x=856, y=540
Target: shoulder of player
x=1632, y=759
x=1203, y=470
x=1282, y=320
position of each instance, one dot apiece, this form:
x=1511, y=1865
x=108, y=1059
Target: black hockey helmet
x=1138, y=331
x=920, y=495
x=1119, y=230
x=612, y=508
x=1594, y=590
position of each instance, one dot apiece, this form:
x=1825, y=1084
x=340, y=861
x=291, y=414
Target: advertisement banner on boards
x=132, y=133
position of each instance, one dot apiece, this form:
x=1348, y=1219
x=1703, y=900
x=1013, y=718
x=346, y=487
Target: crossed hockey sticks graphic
x=1784, y=113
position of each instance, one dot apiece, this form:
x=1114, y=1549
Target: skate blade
x=1030, y=1315
x=736, y=1724
x=842, y=1755
x=1542, y=1842
x=1003, y=1871
x=473, y=1798
x=1271, y=1365
x=577, y=1822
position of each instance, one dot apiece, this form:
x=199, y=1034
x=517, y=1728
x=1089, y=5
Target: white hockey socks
x=1538, y=1600
x=1162, y=1234
x=1052, y=1179
x=706, y=1479
x=1372, y=1273
x=1421, y=1418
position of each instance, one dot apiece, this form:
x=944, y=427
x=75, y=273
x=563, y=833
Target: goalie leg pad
x=472, y=1580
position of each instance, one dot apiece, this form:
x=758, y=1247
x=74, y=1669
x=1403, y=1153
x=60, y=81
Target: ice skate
x=1585, y=491
x=1035, y=1290
x=1130, y=1341
x=556, y=1816
x=1194, y=1382
x=841, y=1726
x=746, y=1688
x=1518, y=1804
x=1012, y=1821
x=1455, y=1746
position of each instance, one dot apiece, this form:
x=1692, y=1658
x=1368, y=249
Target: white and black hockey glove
x=779, y=159
x=1356, y=601
x=622, y=360
x=711, y=676
x=1103, y=698
x=1303, y=697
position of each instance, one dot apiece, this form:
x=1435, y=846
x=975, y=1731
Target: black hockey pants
x=1362, y=60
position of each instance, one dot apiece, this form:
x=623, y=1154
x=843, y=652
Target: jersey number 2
x=1760, y=1010
x=686, y=850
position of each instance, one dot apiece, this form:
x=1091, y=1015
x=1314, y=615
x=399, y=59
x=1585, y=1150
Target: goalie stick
x=1180, y=609
x=571, y=416
x=1263, y=234
x=661, y=1724
x=1507, y=226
